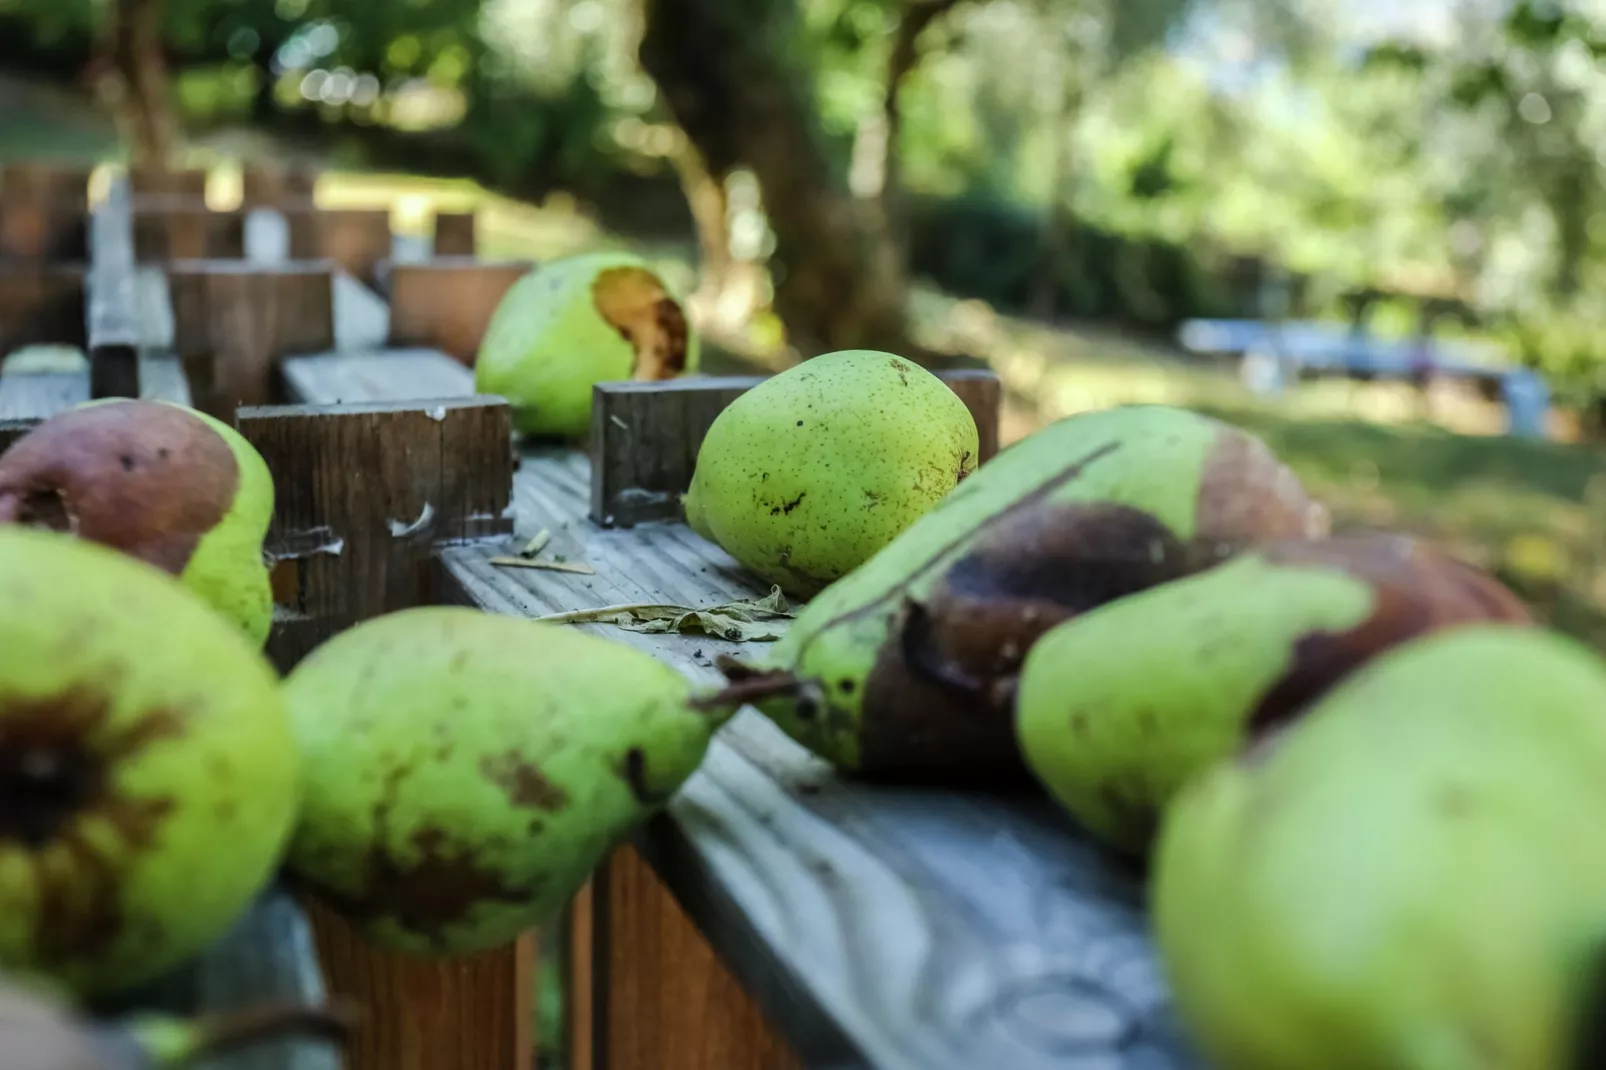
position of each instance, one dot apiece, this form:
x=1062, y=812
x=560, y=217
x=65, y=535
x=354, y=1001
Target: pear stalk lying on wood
x=1412, y=877
x=904, y=669
x=1120, y=707
x=466, y=772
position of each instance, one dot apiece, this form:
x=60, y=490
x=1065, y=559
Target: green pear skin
x=851, y=697
x=576, y=321
x=466, y=771
x=1120, y=707
x=811, y=472
x=148, y=773
x=1409, y=879
x=161, y=482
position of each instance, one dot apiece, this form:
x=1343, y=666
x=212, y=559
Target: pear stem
x=221, y=1033
x=749, y=688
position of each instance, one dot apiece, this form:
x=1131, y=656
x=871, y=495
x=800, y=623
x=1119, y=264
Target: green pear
x=903, y=669
x=572, y=323
x=148, y=775
x=1120, y=707
x=1410, y=878
x=466, y=771
x=158, y=481
x=807, y=475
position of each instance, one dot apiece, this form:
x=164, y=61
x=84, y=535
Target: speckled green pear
x=903, y=668
x=158, y=481
x=1120, y=707
x=148, y=774
x=576, y=321
x=467, y=771
x=810, y=473
x=1412, y=878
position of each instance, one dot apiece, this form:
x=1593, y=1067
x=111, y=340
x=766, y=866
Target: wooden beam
x=454, y=234
x=112, y=312
x=168, y=228
x=41, y=304
x=365, y=493
x=233, y=321
x=446, y=304
x=357, y=239
x=646, y=437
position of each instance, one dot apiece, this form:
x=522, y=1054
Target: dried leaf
x=548, y=566
x=753, y=620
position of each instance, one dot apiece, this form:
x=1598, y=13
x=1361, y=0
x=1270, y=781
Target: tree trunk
x=913, y=20
x=705, y=194
x=731, y=77
x=136, y=48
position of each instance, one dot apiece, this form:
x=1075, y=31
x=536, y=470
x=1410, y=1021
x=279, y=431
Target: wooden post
x=233, y=321
x=168, y=228
x=357, y=239
x=366, y=492
x=447, y=304
x=112, y=313
x=265, y=184
x=454, y=234
x=44, y=212
x=41, y=304
x=188, y=184
x=646, y=437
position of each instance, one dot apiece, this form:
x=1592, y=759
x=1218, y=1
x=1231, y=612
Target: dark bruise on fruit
x=141, y=477
x=430, y=891
x=635, y=303
x=524, y=783
x=943, y=687
x=57, y=754
x=1417, y=588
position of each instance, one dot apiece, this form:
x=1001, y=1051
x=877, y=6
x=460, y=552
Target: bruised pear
x=805, y=476
x=573, y=322
x=1120, y=707
x=148, y=776
x=1410, y=878
x=37, y=1033
x=903, y=669
x=466, y=772
x=158, y=481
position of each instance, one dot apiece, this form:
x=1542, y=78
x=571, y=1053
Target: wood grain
x=446, y=304
x=365, y=492
x=376, y=375
x=112, y=315
x=646, y=437
x=41, y=304
x=887, y=928
x=40, y=395
x=466, y=1013
x=168, y=228
x=454, y=234
x=357, y=239
x=234, y=321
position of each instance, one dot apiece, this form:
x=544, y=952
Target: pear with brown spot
x=148, y=775
x=1121, y=707
x=467, y=771
x=158, y=481
x=905, y=668
x=576, y=321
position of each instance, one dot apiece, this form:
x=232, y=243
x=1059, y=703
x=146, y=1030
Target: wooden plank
x=357, y=239
x=366, y=490
x=40, y=395
x=44, y=212
x=454, y=234
x=376, y=375
x=647, y=436
x=233, y=322
x=168, y=229
x=112, y=314
x=879, y=927
x=186, y=183
x=41, y=304
x=271, y=184
x=471, y=1012
x=446, y=304
x=161, y=378
x=54, y=182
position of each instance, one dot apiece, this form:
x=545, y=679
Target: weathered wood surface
x=182, y=183
x=113, y=316
x=41, y=304
x=44, y=212
x=894, y=929
x=648, y=435
x=355, y=238
x=376, y=375
x=271, y=184
x=454, y=234
x=167, y=229
x=446, y=304
x=40, y=395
